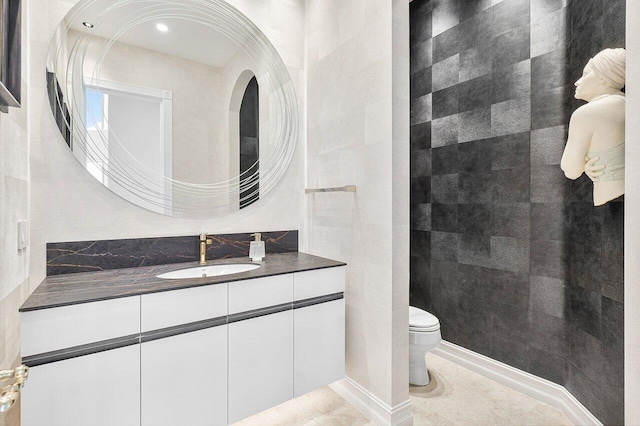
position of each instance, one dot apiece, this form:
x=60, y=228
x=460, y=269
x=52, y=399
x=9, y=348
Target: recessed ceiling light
x=88, y=24
x=162, y=27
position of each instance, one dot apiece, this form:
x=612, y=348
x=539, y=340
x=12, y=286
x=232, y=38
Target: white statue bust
x=596, y=130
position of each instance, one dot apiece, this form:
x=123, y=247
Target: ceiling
x=185, y=38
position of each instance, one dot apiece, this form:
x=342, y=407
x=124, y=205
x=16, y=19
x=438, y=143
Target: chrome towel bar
x=346, y=188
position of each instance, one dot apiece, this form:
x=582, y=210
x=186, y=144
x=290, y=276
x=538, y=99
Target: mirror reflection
x=165, y=105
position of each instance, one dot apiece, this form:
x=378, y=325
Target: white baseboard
x=541, y=389
x=371, y=406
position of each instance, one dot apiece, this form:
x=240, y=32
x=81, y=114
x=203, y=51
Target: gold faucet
x=204, y=241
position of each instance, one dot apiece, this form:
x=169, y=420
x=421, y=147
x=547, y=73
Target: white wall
x=631, y=224
x=357, y=119
x=400, y=200
x=14, y=206
x=68, y=205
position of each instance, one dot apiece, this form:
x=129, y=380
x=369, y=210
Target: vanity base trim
x=148, y=336
x=529, y=384
x=372, y=407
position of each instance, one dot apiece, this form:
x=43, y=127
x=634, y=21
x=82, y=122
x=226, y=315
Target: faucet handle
x=204, y=238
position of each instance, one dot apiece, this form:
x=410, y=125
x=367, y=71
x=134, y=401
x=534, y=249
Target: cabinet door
x=260, y=364
x=184, y=379
x=101, y=389
x=319, y=346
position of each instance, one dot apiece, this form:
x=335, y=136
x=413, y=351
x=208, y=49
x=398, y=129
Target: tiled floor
x=321, y=407
x=455, y=396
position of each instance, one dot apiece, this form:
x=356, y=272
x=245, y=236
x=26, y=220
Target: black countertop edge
x=144, y=280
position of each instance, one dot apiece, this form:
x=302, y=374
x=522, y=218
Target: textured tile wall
x=15, y=184
x=357, y=89
x=511, y=256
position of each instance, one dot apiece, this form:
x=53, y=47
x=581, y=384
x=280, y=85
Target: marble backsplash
x=87, y=256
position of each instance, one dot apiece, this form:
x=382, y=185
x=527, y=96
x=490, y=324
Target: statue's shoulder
x=593, y=114
x=596, y=108
x=586, y=112
x=607, y=102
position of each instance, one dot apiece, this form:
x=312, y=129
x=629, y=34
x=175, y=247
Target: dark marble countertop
x=71, y=289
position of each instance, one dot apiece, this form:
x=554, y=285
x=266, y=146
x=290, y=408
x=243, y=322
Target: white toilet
x=424, y=335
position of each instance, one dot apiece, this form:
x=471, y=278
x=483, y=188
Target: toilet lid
x=420, y=320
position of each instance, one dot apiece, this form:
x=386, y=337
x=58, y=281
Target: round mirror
x=182, y=107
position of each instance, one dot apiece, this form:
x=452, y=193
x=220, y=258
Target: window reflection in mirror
x=123, y=121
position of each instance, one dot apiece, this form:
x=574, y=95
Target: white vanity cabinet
x=260, y=364
x=178, y=307
x=319, y=329
x=63, y=327
x=260, y=348
x=100, y=389
x=184, y=379
x=319, y=346
x=209, y=355
x=183, y=372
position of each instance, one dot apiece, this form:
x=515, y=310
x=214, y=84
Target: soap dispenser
x=256, y=248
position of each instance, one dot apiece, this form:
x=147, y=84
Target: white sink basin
x=209, y=271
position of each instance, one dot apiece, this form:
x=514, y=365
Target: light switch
x=22, y=234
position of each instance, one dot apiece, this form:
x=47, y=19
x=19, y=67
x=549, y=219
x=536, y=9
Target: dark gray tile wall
x=512, y=256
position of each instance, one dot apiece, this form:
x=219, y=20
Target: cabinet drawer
x=58, y=328
x=259, y=293
x=169, y=308
x=319, y=282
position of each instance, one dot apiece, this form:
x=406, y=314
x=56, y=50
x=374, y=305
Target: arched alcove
x=244, y=135
x=250, y=145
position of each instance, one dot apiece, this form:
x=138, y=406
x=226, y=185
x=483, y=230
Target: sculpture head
x=603, y=74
